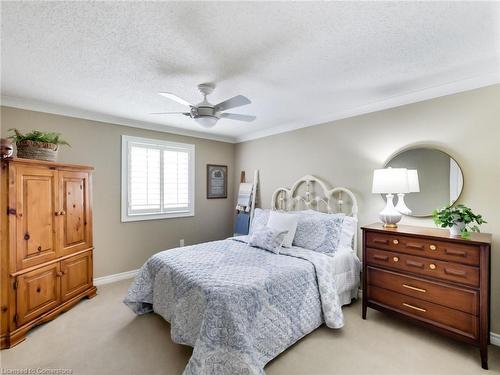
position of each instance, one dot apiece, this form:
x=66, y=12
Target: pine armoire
x=46, y=243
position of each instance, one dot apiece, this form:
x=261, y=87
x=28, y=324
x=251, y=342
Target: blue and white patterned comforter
x=236, y=305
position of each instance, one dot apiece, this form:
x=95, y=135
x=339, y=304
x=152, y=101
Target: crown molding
x=41, y=106
x=428, y=93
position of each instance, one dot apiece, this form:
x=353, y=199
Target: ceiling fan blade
x=235, y=101
x=175, y=98
x=235, y=116
x=171, y=113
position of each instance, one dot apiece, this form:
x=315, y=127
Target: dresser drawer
x=424, y=266
x=465, y=300
x=447, y=251
x=444, y=317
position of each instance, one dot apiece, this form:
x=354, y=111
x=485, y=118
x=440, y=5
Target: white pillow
x=348, y=228
x=284, y=222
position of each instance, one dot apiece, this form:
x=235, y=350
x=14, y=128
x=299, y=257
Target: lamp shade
x=413, y=184
x=390, y=180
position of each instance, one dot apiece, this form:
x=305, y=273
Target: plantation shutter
x=144, y=179
x=159, y=179
x=176, y=179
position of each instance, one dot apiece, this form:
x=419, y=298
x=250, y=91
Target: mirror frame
x=433, y=147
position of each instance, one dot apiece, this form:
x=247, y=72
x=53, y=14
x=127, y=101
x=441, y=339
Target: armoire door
x=75, y=228
x=36, y=202
x=76, y=275
x=38, y=291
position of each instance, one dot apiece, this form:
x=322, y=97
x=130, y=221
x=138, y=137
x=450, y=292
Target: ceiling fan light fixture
x=207, y=114
x=206, y=121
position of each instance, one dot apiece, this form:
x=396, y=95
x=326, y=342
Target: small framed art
x=216, y=181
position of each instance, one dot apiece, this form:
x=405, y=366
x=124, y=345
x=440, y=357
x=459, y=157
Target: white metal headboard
x=327, y=200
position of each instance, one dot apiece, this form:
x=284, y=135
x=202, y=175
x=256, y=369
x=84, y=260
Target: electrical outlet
x=181, y=242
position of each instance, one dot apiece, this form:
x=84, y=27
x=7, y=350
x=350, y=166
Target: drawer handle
x=432, y=266
x=414, y=307
x=395, y=259
x=395, y=242
x=26, y=236
x=432, y=247
x=38, y=290
x=455, y=272
x=39, y=248
x=414, y=288
x=415, y=246
x=457, y=253
x=381, y=257
x=376, y=240
x=412, y=263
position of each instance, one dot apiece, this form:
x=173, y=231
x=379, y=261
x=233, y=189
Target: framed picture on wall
x=216, y=181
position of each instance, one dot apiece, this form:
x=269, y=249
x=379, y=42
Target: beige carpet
x=102, y=336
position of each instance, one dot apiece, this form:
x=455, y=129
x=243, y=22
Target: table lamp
x=413, y=187
x=389, y=181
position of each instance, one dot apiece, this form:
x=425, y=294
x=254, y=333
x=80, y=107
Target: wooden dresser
x=46, y=239
x=430, y=278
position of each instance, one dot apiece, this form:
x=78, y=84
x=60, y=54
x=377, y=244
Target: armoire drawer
x=424, y=266
x=76, y=275
x=38, y=291
x=466, y=300
x=443, y=317
x=447, y=251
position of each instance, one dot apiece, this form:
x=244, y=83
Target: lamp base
x=390, y=225
x=401, y=205
x=389, y=215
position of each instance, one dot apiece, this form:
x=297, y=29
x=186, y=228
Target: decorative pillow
x=319, y=232
x=349, y=226
x=268, y=239
x=259, y=220
x=282, y=221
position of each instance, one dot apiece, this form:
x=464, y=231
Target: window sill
x=143, y=217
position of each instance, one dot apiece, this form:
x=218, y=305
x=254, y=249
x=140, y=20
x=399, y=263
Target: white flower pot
x=456, y=229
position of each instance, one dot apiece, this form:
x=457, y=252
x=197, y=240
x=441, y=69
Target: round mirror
x=440, y=179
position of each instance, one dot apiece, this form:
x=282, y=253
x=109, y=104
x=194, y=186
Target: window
x=157, y=179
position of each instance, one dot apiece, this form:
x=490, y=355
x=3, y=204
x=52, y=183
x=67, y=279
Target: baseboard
x=495, y=339
x=114, y=278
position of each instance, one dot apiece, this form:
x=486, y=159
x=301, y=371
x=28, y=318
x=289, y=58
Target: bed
x=239, y=306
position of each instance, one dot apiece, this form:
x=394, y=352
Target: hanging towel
x=242, y=223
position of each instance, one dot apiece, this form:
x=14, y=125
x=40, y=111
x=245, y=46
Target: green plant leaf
x=449, y=216
x=37, y=136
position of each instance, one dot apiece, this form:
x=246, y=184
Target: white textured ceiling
x=300, y=63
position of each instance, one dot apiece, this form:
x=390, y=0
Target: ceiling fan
x=207, y=114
